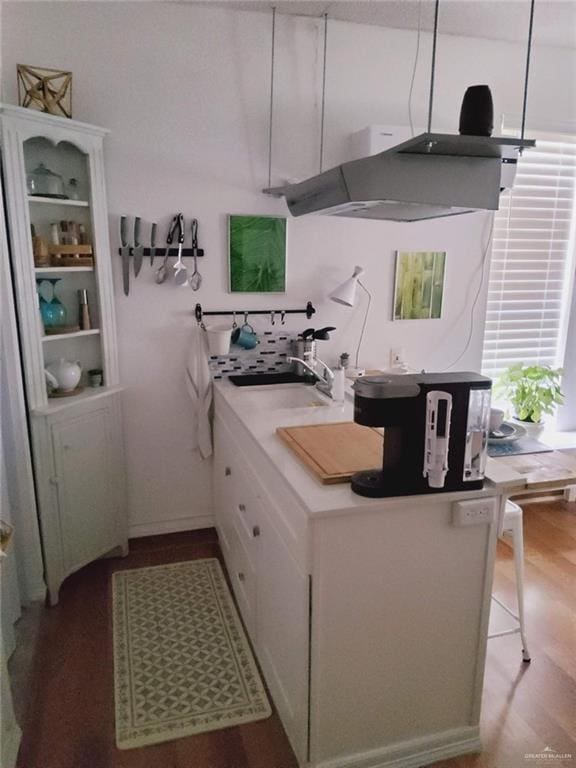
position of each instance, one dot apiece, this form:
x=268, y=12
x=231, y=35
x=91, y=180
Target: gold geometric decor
x=47, y=90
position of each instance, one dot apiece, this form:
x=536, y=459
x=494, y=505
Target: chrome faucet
x=325, y=382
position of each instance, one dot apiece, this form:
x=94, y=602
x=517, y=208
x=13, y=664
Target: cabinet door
x=283, y=633
x=86, y=457
x=223, y=487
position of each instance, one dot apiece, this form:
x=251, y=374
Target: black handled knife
x=153, y=243
x=138, y=251
x=125, y=251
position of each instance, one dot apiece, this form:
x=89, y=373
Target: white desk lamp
x=346, y=294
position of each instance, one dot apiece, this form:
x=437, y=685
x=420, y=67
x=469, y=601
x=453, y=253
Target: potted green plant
x=532, y=391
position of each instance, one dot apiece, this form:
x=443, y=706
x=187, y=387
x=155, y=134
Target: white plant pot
x=532, y=429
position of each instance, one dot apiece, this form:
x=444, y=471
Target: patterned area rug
x=182, y=663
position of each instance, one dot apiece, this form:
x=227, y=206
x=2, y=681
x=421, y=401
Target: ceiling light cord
x=477, y=296
x=528, y=54
x=367, y=292
x=272, y=54
x=323, y=111
x=433, y=68
x=416, y=56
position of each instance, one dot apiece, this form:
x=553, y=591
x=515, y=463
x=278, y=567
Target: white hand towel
x=199, y=386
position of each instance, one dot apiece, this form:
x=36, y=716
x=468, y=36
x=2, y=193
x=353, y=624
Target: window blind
x=531, y=268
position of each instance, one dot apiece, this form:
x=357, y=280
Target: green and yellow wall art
x=257, y=254
x=419, y=285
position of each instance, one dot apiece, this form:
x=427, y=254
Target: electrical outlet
x=396, y=357
x=474, y=512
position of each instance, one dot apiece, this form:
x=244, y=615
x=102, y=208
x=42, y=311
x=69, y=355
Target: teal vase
x=52, y=311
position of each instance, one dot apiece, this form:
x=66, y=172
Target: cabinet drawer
x=247, y=518
x=223, y=485
x=272, y=500
x=243, y=577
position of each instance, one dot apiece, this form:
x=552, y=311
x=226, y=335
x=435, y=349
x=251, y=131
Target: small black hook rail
x=161, y=252
x=309, y=311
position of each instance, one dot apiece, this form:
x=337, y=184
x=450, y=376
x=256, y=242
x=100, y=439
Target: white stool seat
x=511, y=524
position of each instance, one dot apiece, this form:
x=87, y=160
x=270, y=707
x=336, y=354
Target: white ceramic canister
x=219, y=339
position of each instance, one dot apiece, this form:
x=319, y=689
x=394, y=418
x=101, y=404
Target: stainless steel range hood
x=427, y=177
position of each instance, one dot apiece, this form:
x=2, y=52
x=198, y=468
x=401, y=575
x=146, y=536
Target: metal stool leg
x=518, y=545
x=511, y=523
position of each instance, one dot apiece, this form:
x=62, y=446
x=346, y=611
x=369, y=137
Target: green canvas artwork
x=419, y=285
x=257, y=253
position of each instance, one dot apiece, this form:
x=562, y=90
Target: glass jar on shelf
x=42, y=182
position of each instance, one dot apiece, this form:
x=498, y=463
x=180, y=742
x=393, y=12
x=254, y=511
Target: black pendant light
x=477, y=112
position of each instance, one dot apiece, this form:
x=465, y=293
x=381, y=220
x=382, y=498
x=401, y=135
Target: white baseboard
x=10, y=745
x=37, y=593
x=136, y=530
x=412, y=754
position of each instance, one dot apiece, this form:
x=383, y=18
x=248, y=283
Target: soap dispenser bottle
x=338, y=385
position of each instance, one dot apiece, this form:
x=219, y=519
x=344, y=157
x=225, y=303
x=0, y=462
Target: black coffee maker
x=435, y=432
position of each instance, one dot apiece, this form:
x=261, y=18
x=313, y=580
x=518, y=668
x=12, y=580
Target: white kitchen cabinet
x=86, y=452
x=270, y=589
x=76, y=439
x=369, y=617
x=283, y=632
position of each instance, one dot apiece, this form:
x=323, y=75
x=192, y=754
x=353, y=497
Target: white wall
x=185, y=91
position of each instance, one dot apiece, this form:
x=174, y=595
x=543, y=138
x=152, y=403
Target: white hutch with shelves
x=76, y=437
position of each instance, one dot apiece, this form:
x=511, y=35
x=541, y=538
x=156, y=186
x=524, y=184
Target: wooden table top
x=533, y=471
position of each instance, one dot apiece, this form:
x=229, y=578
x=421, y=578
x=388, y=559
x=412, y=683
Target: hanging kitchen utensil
x=180, y=271
x=196, y=277
x=138, y=252
x=152, y=243
x=162, y=271
x=125, y=251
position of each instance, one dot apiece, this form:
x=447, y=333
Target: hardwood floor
x=528, y=707
x=68, y=719
x=67, y=708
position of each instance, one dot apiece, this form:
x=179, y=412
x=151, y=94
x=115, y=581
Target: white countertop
x=318, y=499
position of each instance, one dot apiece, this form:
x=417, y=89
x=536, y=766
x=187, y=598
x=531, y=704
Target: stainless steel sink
x=282, y=397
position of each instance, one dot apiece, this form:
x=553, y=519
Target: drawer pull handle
x=241, y=576
x=242, y=507
x=227, y=471
x=256, y=531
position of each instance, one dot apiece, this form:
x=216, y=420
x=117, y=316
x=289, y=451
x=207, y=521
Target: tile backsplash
x=269, y=356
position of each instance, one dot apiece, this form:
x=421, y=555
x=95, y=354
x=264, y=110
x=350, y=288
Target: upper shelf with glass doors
x=56, y=202
x=58, y=188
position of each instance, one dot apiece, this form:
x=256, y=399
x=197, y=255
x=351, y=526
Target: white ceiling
x=554, y=20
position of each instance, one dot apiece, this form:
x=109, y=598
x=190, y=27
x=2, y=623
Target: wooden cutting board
x=334, y=452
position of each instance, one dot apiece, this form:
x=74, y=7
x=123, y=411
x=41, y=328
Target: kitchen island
x=369, y=617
